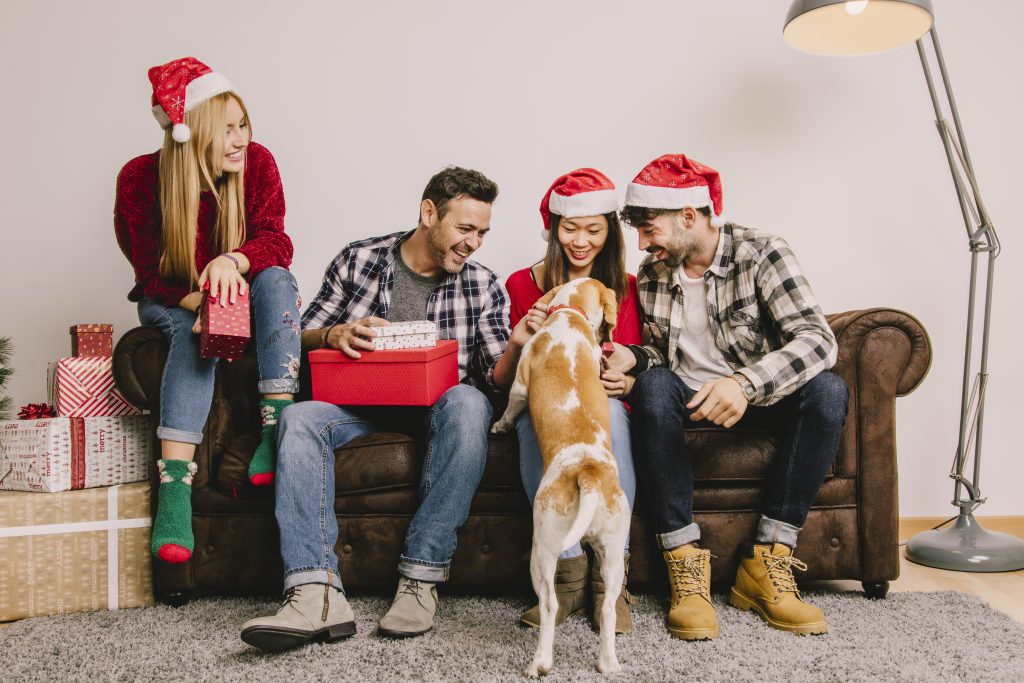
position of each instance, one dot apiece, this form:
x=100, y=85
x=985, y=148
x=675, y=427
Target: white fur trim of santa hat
x=594, y=203
x=197, y=91
x=655, y=197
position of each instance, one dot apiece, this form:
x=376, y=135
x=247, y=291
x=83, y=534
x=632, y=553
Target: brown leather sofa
x=851, y=532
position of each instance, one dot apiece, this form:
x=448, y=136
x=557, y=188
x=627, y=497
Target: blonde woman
x=207, y=210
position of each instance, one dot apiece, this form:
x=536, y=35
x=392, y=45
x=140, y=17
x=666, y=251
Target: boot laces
x=780, y=572
x=688, y=577
x=412, y=587
x=289, y=597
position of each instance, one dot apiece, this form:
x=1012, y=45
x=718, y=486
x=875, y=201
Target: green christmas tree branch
x=6, y=351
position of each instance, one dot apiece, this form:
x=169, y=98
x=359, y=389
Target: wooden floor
x=1003, y=590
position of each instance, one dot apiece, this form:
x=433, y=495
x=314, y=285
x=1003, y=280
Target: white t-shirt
x=700, y=359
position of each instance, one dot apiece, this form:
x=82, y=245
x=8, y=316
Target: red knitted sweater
x=137, y=223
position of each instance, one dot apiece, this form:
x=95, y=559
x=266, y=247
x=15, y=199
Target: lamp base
x=966, y=547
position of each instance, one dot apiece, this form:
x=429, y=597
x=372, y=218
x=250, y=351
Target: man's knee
x=467, y=405
x=826, y=394
x=652, y=387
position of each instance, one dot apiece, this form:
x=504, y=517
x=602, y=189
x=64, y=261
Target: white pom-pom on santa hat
x=583, y=192
x=673, y=182
x=179, y=87
x=180, y=132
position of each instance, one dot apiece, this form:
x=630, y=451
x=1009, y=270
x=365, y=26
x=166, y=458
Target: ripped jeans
x=186, y=389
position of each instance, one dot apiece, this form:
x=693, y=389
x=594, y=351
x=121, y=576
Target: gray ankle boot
x=412, y=612
x=312, y=611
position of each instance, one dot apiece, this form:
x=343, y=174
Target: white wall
x=362, y=102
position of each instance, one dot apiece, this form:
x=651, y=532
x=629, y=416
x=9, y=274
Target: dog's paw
x=536, y=670
x=611, y=666
x=501, y=427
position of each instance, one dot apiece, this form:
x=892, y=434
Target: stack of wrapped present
x=74, y=495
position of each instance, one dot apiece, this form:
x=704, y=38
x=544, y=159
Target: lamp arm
x=982, y=238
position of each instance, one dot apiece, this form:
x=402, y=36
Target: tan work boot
x=412, y=611
x=312, y=611
x=691, y=615
x=765, y=584
x=623, y=619
x=570, y=591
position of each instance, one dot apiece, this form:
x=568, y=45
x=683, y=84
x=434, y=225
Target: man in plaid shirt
x=421, y=274
x=736, y=337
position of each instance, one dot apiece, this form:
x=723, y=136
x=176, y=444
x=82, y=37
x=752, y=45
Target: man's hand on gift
x=226, y=282
x=350, y=338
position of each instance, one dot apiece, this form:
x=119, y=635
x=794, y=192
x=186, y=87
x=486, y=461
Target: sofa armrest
x=138, y=365
x=883, y=354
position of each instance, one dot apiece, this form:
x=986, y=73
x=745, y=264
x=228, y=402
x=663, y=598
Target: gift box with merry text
x=75, y=551
x=225, y=326
x=92, y=340
x=401, y=377
x=63, y=453
x=84, y=387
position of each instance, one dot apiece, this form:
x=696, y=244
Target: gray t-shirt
x=411, y=293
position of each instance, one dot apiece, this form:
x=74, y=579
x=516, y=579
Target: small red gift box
x=225, y=328
x=401, y=377
x=92, y=340
x=84, y=387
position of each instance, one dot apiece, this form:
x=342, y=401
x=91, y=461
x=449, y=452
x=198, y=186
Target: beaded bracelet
x=231, y=258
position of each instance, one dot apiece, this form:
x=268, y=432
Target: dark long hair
x=608, y=268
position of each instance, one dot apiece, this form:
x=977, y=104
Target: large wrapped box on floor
x=75, y=551
x=401, y=377
x=64, y=453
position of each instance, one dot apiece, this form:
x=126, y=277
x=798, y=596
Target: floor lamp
x=838, y=27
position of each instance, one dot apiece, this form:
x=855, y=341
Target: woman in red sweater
x=206, y=211
x=584, y=240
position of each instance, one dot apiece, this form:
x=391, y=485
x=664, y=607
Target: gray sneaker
x=310, y=612
x=412, y=612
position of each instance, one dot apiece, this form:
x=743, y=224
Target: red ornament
x=36, y=411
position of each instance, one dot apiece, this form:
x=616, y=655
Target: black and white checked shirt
x=470, y=306
x=765, y=319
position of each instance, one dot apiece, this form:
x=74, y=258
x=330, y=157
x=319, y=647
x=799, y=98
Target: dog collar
x=564, y=307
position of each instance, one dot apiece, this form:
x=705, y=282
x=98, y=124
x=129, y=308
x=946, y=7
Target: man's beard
x=677, y=252
x=440, y=252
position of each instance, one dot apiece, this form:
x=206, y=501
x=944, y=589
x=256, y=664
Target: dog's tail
x=589, y=499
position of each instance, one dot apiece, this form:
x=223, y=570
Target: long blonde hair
x=185, y=169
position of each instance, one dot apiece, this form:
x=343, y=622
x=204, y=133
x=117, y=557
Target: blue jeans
x=806, y=425
x=308, y=434
x=531, y=469
x=186, y=389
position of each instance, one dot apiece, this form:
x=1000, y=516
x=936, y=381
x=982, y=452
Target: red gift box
x=225, y=328
x=84, y=387
x=92, y=340
x=401, y=377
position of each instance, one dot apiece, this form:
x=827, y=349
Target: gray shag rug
x=906, y=637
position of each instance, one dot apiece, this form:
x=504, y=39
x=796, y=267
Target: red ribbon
x=36, y=411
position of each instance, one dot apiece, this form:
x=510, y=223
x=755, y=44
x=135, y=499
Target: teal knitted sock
x=261, y=467
x=172, y=529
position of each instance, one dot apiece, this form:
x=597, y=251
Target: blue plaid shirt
x=470, y=306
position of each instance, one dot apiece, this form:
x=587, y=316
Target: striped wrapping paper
x=84, y=387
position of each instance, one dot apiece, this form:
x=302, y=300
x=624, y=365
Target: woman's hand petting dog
x=528, y=325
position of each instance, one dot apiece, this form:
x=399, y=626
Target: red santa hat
x=672, y=182
x=180, y=86
x=583, y=192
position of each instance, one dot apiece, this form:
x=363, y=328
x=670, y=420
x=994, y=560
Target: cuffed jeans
x=186, y=389
x=806, y=424
x=308, y=434
x=531, y=468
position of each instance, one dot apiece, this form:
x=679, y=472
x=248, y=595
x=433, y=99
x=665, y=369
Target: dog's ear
x=546, y=299
x=611, y=310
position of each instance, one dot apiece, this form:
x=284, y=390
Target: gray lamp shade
x=838, y=27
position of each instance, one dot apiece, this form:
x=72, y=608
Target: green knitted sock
x=172, y=529
x=261, y=468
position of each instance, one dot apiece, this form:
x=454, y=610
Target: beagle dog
x=579, y=495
